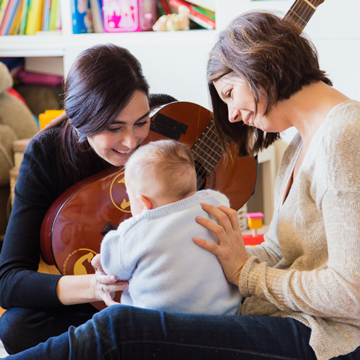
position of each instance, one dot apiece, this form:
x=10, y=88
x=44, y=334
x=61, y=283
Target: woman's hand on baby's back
x=231, y=250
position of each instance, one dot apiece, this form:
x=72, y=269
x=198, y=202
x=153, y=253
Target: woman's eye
x=115, y=130
x=228, y=94
x=140, y=124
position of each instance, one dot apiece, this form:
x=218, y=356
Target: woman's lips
x=247, y=120
x=123, y=152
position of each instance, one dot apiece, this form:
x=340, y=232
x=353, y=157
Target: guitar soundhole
x=200, y=175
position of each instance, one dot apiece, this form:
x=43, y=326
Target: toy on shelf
x=254, y=223
x=128, y=15
x=174, y=22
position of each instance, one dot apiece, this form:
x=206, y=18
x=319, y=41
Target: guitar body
x=77, y=221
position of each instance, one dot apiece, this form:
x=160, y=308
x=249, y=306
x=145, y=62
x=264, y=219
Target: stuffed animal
x=16, y=122
x=174, y=22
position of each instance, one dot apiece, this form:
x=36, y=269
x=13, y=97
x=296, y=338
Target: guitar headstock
x=302, y=10
x=316, y=3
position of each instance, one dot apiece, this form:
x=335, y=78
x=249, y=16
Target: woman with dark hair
x=106, y=119
x=302, y=285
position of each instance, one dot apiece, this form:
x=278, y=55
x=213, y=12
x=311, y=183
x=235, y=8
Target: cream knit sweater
x=308, y=268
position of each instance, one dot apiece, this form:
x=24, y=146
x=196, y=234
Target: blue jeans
x=122, y=332
x=22, y=328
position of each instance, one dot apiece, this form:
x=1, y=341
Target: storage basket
x=242, y=217
x=14, y=172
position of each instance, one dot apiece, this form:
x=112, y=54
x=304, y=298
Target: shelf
x=31, y=45
x=55, y=45
x=156, y=38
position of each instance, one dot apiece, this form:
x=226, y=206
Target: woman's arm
x=332, y=289
x=73, y=290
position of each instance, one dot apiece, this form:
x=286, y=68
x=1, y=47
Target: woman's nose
x=234, y=115
x=129, y=139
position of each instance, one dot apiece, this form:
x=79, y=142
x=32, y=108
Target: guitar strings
x=306, y=9
x=208, y=150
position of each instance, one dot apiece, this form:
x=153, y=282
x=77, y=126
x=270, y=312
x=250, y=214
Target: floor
x=2, y=350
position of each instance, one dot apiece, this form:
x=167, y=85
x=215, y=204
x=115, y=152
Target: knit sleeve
x=332, y=289
x=116, y=258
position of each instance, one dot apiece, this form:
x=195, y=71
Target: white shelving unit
x=175, y=62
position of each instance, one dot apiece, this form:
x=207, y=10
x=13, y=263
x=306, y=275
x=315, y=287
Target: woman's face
x=241, y=105
x=125, y=134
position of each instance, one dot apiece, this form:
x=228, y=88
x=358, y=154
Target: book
x=54, y=10
x=206, y=4
x=15, y=24
x=9, y=16
x=165, y=6
x=34, y=17
x=45, y=21
x=3, y=6
x=24, y=13
x=205, y=12
x=81, y=17
x=58, y=26
x=194, y=15
x=97, y=16
x=200, y=22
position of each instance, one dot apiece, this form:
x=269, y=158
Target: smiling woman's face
x=236, y=94
x=125, y=134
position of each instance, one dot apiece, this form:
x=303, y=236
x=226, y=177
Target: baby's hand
x=105, y=286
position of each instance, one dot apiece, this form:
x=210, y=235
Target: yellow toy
x=49, y=115
x=255, y=221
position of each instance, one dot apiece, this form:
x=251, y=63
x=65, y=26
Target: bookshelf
x=175, y=62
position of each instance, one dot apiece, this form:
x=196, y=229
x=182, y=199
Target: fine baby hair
x=167, y=166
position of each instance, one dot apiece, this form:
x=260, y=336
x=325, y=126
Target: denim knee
x=12, y=326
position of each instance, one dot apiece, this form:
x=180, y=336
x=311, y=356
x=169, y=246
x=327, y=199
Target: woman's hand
x=105, y=285
x=231, y=249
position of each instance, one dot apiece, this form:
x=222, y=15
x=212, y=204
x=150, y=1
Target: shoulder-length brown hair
x=271, y=56
x=100, y=84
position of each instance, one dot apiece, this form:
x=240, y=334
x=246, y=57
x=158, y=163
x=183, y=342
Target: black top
x=37, y=187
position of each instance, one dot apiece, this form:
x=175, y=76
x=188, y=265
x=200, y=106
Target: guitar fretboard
x=207, y=152
x=302, y=11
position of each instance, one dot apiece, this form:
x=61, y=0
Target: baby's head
x=159, y=173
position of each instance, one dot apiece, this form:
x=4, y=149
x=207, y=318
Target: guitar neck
x=302, y=11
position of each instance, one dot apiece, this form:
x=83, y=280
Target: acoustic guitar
x=75, y=224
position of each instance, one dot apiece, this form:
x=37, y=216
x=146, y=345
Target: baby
x=155, y=248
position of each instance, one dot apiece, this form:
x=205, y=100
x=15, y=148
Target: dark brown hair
x=271, y=56
x=100, y=84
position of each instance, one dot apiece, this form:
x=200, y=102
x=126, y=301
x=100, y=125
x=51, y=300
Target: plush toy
x=174, y=22
x=16, y=122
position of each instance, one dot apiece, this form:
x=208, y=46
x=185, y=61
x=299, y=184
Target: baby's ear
x=147, y=205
